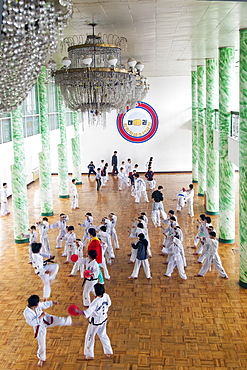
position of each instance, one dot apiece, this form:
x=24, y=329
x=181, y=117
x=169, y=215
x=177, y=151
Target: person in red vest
x=95, y=244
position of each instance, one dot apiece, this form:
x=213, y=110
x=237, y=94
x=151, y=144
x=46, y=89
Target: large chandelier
x=30, y=31
x=93, y=78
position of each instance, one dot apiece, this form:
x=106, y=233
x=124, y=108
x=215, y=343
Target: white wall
x=170, y=146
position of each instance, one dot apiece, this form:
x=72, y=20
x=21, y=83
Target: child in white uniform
x=78, y=265
x=88, y=223
x=33, y=237
x=140, y=189
x=40, y=320
x=122, y=178
x=97, y=314
x=175, y=258
x=74, y=196
x=43, y=230
x=4, y=200
x=92, y=265
x=113, y=233
x=190, y=199
x=181, y=199
x=47, y=273
x=212, y=256
x=70, y=239
x=61, y=225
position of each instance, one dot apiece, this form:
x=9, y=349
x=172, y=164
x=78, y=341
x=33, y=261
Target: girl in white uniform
x=181, y=199
x=190, y=199
x=175, y=258
x=43, y=231
x=33, y=237
x=88, y=223
x=78, y=265
x=70, y=239
x=92, y=265
x=40, y=320
x=113, y=233
x=140, y=189
x=74, y=196
x=61, y=225
x=97, y=314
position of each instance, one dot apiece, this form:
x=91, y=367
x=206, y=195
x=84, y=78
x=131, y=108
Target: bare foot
x=150, y=278
x=131, y=277
x=131, y=262
x=66, y=262
x=198, y=262
x=40, y=363
x=70, y=274
x=109, y=355
x=88, y=358
x=197, y=275
x=193, y=247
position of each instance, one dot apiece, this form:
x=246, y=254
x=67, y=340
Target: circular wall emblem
x=138, y=124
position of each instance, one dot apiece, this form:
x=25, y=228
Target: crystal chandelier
x=93, y=78
x=30, y=31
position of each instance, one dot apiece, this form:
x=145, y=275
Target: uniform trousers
x=139, y=194
x=4, y=208
x=100, y=330
x=114, y=237
x=45, y=244
x=41, y=337
x=88, y=287
x=146, y=268
x=190, y=207
x=78, y=265
x=151, y=184
x=103, y=180
x=74, y=201
x=47, y=278
x=121, y=182
x=158, y=209
x=180, y=204
x=60, y=238
x=173, y=262
x=105, y=269
x=217, y=263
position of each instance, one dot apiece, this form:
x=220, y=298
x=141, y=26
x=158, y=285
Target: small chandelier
x=93, y=78
x=30, y=31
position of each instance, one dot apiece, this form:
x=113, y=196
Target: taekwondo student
x=78, y=265
x=122, y=178
x=212, y=256
x=61, y=225
x=141, y=258
x=40, y=320
x=175, y=258
x=46, y=272
x=113, y=233
x=140, y=189
x=190, y=199
x=181, y=199
x=4, y=200
x=33, y=237
x=74, y=196
x=150, y=178
x=88, y=223
x=43, y=230
x=97, y=314
x=92, y=265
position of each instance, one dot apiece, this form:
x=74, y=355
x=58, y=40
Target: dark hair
x=71, y=228
x=141, y=236
x=121, y=168
x=33, y=300
x=208, y=219
x=212, y=233
x=202, y=216
x=102, y=160
x=172, y=218
x=33, y=227
x=140, y=218
x=136, y=165
x=92, y=253
x=78, y=240
x=140, y=225
x=143, y=213
x=73, y=180
x=98, y=169
x=45, y=219
x=176, y=236
x=128, y=159
x=160, y=187
x=103, y=228
x=62, y=214
x=99, y=289
x=88, y=214
x=171, y=212
x=5, y=183
x=92, y=231
x=151, y=158
x=136, y=175
x=106, y=164
x=115, y=151
x=36, y=247
x=191, y=186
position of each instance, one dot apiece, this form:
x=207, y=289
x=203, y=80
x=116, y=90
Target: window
x=30, y=109
x=6, y=130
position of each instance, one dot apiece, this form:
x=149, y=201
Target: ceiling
x=170, y=37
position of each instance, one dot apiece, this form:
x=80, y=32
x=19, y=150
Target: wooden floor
x=165, y=323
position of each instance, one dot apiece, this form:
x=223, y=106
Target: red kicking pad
x=74, y=310
x=74, y=257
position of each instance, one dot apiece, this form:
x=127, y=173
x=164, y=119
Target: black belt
x=92, y=322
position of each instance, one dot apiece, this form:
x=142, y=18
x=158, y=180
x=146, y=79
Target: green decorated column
x=76, y=150
x=18, y=174
x=201, y=99
x=62, y=149
x=243, y=158
x=44, y=156
x=212, y=155
x=226, y=172
x=194, y=127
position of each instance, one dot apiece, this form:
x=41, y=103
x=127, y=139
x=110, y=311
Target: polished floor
x=200, y=323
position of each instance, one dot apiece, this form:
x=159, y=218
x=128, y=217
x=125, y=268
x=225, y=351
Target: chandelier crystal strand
x=94, y=80
x=30, y=31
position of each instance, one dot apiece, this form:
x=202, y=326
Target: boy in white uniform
x=47, y=273
x=181, y=199
x=70, y=239
x=113, y=233
x=105, y=237
x=74, y=196
x=190, y=199
x=40, y=320
x=97, y=314
x=4, y=200
x=33, y=237
x=175, y=258
x=61, y=225
x=88, y=223
x=122, y=178
x=212, y=256
x=43, y=230
x=78, y=265
x=140, y=189
x=92, y=265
